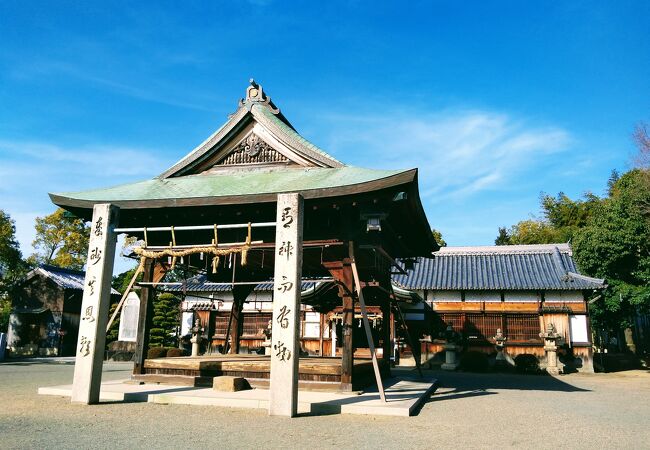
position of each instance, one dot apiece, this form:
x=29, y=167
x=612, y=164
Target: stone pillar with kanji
x=95, y=305
x=285, y=347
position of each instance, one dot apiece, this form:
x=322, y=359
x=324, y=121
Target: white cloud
x=24, y=162
x=31, y=169
x=459, y=153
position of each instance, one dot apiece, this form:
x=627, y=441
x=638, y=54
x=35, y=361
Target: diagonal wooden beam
x=366, y=324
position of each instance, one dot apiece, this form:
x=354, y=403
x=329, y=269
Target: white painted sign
x=579, y=328
x=95, y=305
x=285, y=348
x=129, y=318
x=186, y=323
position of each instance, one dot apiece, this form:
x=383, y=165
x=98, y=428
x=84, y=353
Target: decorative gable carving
x=253, y=150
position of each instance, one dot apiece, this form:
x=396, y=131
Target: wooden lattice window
x=519, y=327
x=221, y=323
x=522, y=327
x=456, y=320
x=482, y=326
x=255, y=323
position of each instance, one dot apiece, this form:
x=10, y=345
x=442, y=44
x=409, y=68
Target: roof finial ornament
x=255, y=94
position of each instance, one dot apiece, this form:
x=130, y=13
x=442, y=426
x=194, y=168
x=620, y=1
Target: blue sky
x=493, y=102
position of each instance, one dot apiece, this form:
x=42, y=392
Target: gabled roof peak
x=257, y=118
x=255, y=94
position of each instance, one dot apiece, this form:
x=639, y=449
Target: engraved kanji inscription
x=91, y=285
x=88, y=314
x=99, y=227
x=286, y=249
x=287, y=217
x=95, y=256
x=282, y=351
x=84, y=346
x=282, y=317
x=285, y=286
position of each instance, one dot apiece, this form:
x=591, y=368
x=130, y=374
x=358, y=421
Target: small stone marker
x=95, y=305
x=230, y=384
x=285, y=349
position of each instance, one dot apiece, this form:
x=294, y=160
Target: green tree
x=615, y=245
x=437, y=235
x=568, y=216
x=12, y=266
x=535, y=232
x=61, y=240
x=561, y=219
x=503, y=238
x=166, y=319
x=121, y=282
x=642, y=160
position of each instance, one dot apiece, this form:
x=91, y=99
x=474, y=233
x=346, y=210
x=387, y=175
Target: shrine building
x=255, y=202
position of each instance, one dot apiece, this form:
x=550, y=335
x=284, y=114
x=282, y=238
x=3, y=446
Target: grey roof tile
x=522, y=267
x=66, y=278
x=519, y=267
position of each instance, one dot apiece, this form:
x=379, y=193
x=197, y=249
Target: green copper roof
x=256, y=184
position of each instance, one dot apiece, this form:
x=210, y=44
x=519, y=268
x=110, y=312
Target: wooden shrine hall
x=255, y=201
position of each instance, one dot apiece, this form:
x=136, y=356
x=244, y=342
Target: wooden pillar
x=321, y=326
x=386, y=330
x=95, y=305
x=145, y=317
x=240, y=294
x=285, y=343
x=342, y=273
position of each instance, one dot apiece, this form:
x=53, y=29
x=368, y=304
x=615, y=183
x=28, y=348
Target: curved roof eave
x=68, y=200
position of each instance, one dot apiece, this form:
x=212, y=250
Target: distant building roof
x=517, y=267
x=200, y=283
x=512, y=267
x=65, y=278
x=309, y=289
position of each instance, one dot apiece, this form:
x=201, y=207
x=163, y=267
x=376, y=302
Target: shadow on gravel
x=29, y=362
x=454, y=385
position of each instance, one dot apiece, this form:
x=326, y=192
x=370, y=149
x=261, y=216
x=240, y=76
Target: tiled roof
x=199, y=283
x=66, y=278
x=517, y=267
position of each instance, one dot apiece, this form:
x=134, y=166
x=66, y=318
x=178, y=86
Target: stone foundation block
x=230, y=384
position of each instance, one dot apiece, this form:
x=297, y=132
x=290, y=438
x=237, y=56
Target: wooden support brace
x=124, y=295
x=366, y=324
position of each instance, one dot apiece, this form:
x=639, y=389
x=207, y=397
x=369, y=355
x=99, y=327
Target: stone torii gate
x=286, y=305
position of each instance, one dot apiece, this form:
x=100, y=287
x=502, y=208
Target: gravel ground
x=468, y=411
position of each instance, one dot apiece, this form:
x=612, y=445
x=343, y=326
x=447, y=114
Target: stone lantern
x=500, y=343
x=197, y=330
x=451, y=348
x=551, y=339
x=267, y=338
